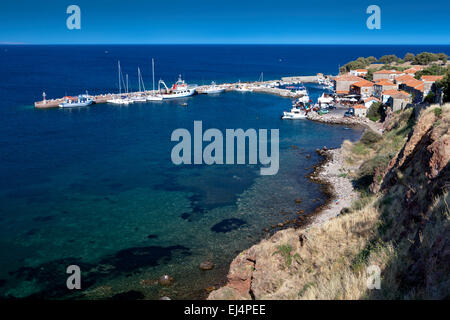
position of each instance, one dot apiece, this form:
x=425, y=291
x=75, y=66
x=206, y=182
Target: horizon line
x=225, y=43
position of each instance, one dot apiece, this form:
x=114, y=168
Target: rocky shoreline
x=331, y=174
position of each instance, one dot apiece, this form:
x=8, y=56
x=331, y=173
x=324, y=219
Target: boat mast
x=153, y=74
x=139, y=79
x=120, y=87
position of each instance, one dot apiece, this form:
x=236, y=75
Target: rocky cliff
x=399, y=225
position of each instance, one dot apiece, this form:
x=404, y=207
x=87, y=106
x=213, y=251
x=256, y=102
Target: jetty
x=269, y=86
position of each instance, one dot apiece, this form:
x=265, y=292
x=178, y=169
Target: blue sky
x=225, y=21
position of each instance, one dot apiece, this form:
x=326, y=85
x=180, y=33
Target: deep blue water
x=96, y=187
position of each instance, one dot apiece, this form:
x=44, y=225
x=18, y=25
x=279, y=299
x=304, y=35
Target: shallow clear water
x=95, y=186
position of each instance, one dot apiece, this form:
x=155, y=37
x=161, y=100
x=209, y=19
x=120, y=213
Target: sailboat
x=139, y=97
x=153, y=96
x=121, y=99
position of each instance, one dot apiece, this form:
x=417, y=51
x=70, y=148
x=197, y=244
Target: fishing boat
x=76, y=102
x=213, y=88
x=121, y=99
x=180, y=89
x=298, y=90
x=153, y=96
x=295, y=113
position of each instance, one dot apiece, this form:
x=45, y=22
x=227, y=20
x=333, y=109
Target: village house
x=387, y=94
x=364, y=88
x=359, y=72
x=410, y=71
x=370, y=101
x=415, y=88
x=360, y=110
x=382, y=85
x=403, y=79
x=343, y=83
x=399, y=101
x=386, y=74
x=430, y=83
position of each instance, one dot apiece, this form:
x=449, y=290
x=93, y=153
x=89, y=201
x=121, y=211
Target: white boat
x=121, y=100
x=180, y=89
x=298, y=90
x=80, y=101
x=301, y=100
x=325, y=99
x=212, y=89
x=153, y=96
x=242, y=88
x=295, y=113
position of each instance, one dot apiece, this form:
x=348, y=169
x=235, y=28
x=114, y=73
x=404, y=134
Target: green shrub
x=370, y=137
x=285, y=251
x=374, y=112
x=437, y=112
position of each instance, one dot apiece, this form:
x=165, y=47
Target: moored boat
x=213, y=88
x=76, y=102
x=295, y=113
x=180, y=89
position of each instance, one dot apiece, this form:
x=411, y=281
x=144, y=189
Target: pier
x=256, y=86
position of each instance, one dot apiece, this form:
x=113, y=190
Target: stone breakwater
x=251, y=272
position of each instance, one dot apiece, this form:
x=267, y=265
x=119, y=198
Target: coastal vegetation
x=391, y=61
x=399, y=225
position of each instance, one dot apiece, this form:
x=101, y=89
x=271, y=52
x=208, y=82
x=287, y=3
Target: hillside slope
x=400, y=224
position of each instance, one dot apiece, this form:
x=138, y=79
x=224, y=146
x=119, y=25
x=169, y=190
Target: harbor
x=276, y=87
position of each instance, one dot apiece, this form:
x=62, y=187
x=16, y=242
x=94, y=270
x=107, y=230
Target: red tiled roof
x=371, y=98
x=348, y=77
x=411, y=70
x=404, y=78
x=359, y=106
x=394, y=92
x=384, y=82
x=384, y=71
x=342, y=91
x=432, y=78
x=413, y=83
x=363, y=83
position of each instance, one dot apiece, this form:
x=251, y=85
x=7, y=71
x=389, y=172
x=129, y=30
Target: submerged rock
x=228, y=225
x=206, y=265
x=165, y=280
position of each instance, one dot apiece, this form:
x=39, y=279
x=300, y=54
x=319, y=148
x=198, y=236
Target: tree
x=374, y=112
x=444, y=85
x=369, y=75
x=430, y=98
x=371, y=59
x=409, y=57
x=433, y=70
x=425, y=58
x=387, y=59
x=443, y=57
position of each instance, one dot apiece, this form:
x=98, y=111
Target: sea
x=96, y=188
